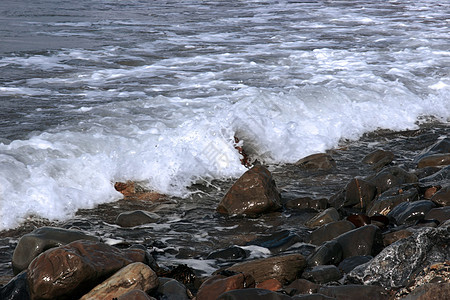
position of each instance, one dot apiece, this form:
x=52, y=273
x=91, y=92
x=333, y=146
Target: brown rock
x=307, y=202
x=216, y=285
x=136, y=218
x=283, y=268
x=134, y=276
x=319, y=161
x=441, y=214
x=330, y=231
x=442, y=197
x=135, y=295
x=76, y=267
x=327, y=216
x=253, y=193
x=356, y=292
x=430, y=291
x=270, y=284
x=303, y=286
x=378, y=158
x=390, y=199
x=392, y=237
x=132, y=191
x=441, y=159
x=359, y=193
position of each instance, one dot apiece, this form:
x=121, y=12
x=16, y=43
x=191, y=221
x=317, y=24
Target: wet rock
x=390, y=199
x=283, y=268
x=426, y=171
x=253, y=293
x=219, y=284
x=350, y=263
x=410, y=212
x=307, y=203
x=312, y=297
x=319, y=161
x=441, y=214
x=230, y=253
x=391, y=177
x=378, y=159
x=172, y=289
x=366, y=240
x=32, y=244
x=430, y=291
x=135, y=295
x=439, y=178
x=133, y=276
x=442, y=197
x=136, y=218
x=434, y=160
x=133, y=191
x=392, y=237
x=430, y=191
x=355, y=292
x=327, y=216
x=16, y=288
x=76, y=268
x=359, y=220
x=397, y=263
x=359, y=193
x=322, y=274
x=253, y=193
x=303, y=286
x=328, y=253
x=277, y=242
x=330, y=231
x=270, y=284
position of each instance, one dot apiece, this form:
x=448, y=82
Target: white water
x=163, y=102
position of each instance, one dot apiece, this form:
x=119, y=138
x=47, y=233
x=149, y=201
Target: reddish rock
x=132, y=191
x=253, y=193
x=76, y=267
x=270, y=284
x=216, y=285
x=319, y=161
x=283, y=268
x=134, y=276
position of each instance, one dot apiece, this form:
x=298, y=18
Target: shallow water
x=190, y=228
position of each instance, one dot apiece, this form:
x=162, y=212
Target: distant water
x=96, y=91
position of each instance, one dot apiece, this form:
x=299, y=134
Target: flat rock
x=254, y=193
x=283, y=268
x=136, y=218
x=76, y=267
x=319, y=161
x=133, y=276
x=34, y=243
x=434, y=160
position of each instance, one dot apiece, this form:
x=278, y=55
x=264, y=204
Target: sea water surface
x=95, y=91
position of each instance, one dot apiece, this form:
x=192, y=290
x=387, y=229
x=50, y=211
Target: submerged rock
x=397, y=263
x=278, y=241
x=254, y=193
x=34, y=243
x=136, y=218
x=319, y=161
x=229, y=253
x=73, y=268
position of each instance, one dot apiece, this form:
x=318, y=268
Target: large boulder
x=134, y=276
x=283, y=268
x=396, y=264
x=254, y=193
x=34, y=243
x=76, y=268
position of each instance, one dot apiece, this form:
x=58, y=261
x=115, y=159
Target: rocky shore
x=369, y=220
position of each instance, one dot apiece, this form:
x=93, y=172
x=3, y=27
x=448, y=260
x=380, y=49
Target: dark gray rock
x=328, y=253
x=322, y=274
x=442, y=197
x=359, y=193
x=397, y=263
x=136, y=218
x=42, y=239
x=441, y=214
x=327, y=216
x=278, y=241
x=439, y=178
x=366, y=240
x=355, y=292
x=391, y=177
x=172, y=289
x=329, y=231
x=303, y=286
x=252, y=293
x=16, y=288
x=410, y=212
x=229, y=253
x=378, y=159
x=390, y=199
x=307, y=203
x=312, y=297
x=350, y=263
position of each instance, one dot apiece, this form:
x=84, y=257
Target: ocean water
x=94, y=91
